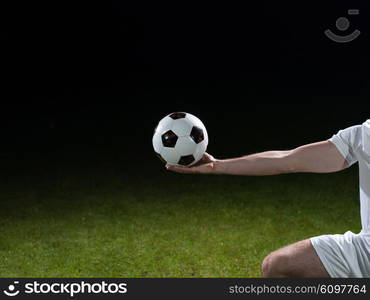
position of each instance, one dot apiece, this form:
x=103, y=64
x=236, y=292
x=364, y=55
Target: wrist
x=218, y=166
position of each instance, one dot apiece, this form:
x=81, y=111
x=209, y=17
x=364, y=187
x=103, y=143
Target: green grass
x=108, y=221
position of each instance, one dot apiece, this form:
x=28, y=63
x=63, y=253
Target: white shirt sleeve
x=346, y=140
x=366, y=137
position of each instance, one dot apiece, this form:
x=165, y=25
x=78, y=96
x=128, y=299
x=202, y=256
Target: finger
x=207, y=158
x=199, y=163
x=204, y=160
x=207, y=155
x=180, y=169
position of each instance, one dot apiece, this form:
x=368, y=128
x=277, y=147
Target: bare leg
x=296, y=260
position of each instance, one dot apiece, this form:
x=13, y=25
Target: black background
x=83, y=85
x=260, y=74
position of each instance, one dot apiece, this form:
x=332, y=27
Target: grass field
x=95, y=218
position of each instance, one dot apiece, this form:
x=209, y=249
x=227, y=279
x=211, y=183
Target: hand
x=205, y=166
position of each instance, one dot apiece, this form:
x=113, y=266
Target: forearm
x=264, y=163
x=320, y=157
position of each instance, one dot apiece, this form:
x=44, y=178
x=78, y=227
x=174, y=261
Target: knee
x=275, y=265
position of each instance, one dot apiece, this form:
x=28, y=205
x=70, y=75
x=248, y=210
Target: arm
x=321, y=157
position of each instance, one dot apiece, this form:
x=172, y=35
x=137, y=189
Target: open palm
x=204, y=166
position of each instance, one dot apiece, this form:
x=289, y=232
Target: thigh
x=301, y=260
x=343, y=255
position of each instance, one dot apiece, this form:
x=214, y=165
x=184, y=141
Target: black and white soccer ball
x=180, y=139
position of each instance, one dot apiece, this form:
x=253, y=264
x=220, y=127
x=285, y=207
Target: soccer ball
x=180, y=139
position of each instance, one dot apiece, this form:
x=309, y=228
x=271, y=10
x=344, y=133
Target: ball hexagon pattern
x=182, y=127
x=180, y=138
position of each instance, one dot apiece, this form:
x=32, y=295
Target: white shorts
x=344, y=255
